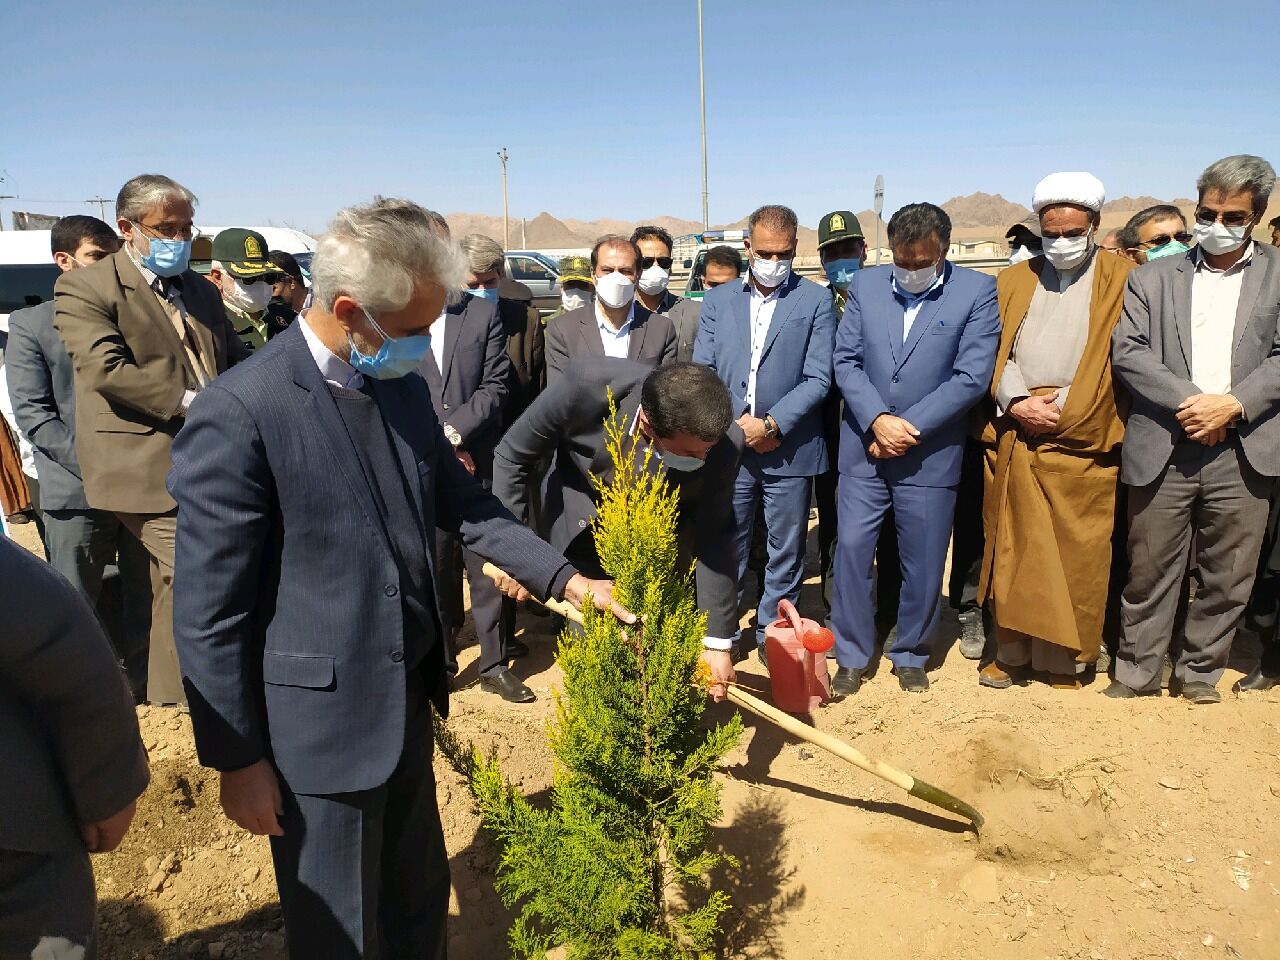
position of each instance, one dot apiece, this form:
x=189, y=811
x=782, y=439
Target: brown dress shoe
x=1064, y=681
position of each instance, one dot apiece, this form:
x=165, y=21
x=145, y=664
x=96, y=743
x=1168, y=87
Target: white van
x=27, y=271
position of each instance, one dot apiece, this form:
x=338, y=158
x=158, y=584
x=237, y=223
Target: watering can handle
x=787, y=610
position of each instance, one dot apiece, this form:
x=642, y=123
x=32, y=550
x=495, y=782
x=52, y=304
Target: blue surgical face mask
x=165, y=257
x=395, y=358
x=840, y=272
x=485, y=293
x=1171, y=249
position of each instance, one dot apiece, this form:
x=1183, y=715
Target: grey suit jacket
x=69, y=741
x=568, y=419
x=1151, y=356
x=471, y=391
x=577, y=334
x=42, y=388
x=684, y=315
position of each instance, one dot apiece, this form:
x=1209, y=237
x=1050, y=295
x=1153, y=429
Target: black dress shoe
x=847, y=682
x=507, y=685
x=1119, y=691
x=1197, y=691
x=1257, y=681
x=912, y=679
x=517, y=649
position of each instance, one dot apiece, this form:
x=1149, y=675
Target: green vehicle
x=692, y=249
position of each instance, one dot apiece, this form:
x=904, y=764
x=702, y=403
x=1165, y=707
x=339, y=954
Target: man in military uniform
x=245, y=277
x=842, y=248
x=577, y=285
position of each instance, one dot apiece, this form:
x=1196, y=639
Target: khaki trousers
x=157, y=532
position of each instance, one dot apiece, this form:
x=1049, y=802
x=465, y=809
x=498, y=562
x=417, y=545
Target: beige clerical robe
x=1049, y=501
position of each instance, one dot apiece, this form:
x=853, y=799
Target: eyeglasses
x=166, y=231
x=1164, y=238
x=1233, y=218
x=271, y=278
x=663, y=262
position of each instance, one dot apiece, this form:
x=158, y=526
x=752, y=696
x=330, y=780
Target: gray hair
x=146, y=191
x=483, y=254
x=776, y=217
x=919, y=221
x=1161, y=211
x=1240, y=172
x=377, y=253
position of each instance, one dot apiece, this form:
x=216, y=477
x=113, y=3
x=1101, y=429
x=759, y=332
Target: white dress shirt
x=336, y=371
x=1215, y=297
x=616, y=343
x=437, y=340
x=762, y=308
x=912, y=302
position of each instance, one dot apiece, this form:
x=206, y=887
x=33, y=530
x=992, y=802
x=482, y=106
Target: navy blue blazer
x=42, y=389
x=287, y=608
x=932, y=380
x=472, y=390
x=794, y=375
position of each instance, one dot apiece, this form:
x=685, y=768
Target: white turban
x=1082, y=189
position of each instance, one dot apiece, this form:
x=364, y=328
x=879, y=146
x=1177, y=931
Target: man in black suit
x=79, y=542
x=310, y=483
x=74, y=763
x=469, y=373
x=683, y=413
x=615, y=324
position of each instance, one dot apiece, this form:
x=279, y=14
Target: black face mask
x=280, y=302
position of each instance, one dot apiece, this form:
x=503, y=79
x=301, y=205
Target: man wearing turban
x=1053, y=445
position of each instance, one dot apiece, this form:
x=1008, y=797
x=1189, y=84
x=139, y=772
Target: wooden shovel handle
x=562, y=607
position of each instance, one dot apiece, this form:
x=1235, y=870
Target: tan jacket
x=131, y=372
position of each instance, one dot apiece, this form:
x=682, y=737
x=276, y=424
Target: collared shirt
x=336, y=371
x=912, y=302
x=762, y=308
x=437, y=339
x=616, y=343
x=1215, y=298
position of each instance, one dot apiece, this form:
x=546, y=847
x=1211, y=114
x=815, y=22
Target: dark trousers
x=967, y=540
x=46, y=896
x=83, y=545
x=366, y=875
x=1211, y=495
x=1263, y=613
x=786, y=510
x=494, y=620
x=923, y=517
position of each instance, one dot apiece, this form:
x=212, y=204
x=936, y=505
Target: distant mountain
x=984, y=210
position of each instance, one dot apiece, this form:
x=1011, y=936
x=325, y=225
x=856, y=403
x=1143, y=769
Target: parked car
x=539, y=273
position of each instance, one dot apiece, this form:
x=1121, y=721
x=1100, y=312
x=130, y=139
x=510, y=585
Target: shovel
x=900, y=778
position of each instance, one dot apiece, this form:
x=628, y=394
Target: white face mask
x=770, y=273
x=915, y=281
x=615, y=289
x=1067, y=253
x=1218, y=238
x=574, y=299
x=1019, y=254
x=249, y=297
x=654, y=280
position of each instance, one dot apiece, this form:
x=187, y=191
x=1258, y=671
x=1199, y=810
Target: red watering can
x=797, y=660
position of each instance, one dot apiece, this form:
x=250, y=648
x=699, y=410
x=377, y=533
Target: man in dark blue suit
x=914, y=352
x=309, y=486
x=470, y=376
x=769, y=340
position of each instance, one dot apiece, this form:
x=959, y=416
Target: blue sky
x=283, y=112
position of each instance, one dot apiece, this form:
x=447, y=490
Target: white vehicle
x=27, y=271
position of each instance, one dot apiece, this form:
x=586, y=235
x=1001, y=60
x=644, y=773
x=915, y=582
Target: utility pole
x=524, y=244
x=702, y=98
x=5, y=196
x=102, y=207
x=506, y=236
x=879, y=208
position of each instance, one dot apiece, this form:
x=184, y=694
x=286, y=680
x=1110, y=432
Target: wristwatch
x=452, y=435
x=771, y=427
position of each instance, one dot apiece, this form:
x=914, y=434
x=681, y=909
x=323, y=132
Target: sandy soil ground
x=1115, y=830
